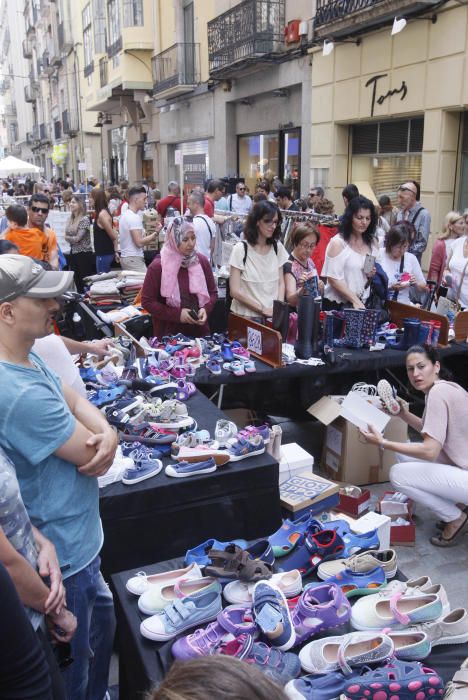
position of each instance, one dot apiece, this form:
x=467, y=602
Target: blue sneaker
x=199, y=554
x=284, y=540
x=275, y=664
x=354, y=583
x=272, y=615
x=354, y=542
x=182, y=614
x=246, y=447
x=141, y=452
x=181, y=469
x=141, y=471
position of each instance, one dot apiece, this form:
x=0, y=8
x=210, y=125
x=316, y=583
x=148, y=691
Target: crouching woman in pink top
x=179, y=290
x=433, y=472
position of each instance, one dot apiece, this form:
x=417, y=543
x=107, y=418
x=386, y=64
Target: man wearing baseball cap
x=59, y=443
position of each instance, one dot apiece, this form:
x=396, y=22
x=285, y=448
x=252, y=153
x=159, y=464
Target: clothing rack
x=297, y=216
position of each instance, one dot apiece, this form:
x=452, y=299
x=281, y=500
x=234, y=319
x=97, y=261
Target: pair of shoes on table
x=313, y=547
x=361, y=563
x=143, y=468
x=249, y=565
x=179, y=470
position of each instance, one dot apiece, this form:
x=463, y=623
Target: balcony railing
x=340, y=18
x=31, y=92
x=103, y=71
x=27, y=48
x=70, y=124
x=176, y=70
x=114, y=48
x=246, y=33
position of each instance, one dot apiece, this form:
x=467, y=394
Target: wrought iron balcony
x=341, y=18
x=70, y=124
x=114, y=48
x=31, y=92
x=176, y=70
x=248, y=33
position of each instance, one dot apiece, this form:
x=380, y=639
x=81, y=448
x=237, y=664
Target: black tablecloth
x=162, y=517
x=348, y=361
x=143, y=663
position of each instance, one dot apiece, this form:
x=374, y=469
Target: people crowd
x=50, y=530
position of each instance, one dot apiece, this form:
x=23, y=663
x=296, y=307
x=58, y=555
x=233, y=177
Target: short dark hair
x=418, y=188
x=349, y=192
x=264, y=185
x=318, y=190
x=259, y=197
x=17, y=213
x=384, y=200
x=301, y=231
x=39, y=197
x=214, y=185
x=262, y=210
x=347, y=220
x=7, y=247
x=283, y=192
x=136, y=189
x=396, y=235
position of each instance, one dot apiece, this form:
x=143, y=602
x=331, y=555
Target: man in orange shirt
x=31, y=242
x=37, y=213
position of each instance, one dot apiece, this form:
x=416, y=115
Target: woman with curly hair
x=346, y=255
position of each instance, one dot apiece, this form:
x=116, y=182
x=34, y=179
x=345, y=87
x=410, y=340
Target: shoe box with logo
x=345, y=454
x=307, y=492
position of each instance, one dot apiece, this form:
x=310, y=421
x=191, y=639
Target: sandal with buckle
x=235, y=563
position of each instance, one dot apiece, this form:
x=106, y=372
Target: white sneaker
x=289, y=582
x=388, y=397
x=225, y=430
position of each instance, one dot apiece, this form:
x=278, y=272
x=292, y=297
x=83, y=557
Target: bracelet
x=382, y=446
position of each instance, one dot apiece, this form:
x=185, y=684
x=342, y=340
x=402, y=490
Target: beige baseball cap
x=21, y=276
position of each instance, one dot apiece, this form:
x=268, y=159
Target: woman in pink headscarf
x=179, y=289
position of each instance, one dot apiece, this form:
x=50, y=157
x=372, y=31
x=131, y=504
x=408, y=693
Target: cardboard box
x=307, y=491
x=354, y=506
x=294, y=459
x=402, y=534
x=345, y=455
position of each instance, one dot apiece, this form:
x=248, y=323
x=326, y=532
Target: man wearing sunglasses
x=38, y=212
x=411, y=210
x=240, y=202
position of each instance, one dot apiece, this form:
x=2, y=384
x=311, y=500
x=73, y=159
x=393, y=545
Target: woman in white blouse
x=457, y=271
x=346, y=256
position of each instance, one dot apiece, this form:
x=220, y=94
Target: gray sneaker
x=361, y=563
x=449, y=629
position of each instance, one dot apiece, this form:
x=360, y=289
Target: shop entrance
x=276, y=154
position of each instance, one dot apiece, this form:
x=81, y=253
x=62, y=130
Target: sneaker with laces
x=360, y=563
x=387, y=395
x=279, y=666
x=246, y=447
x=225, y=430
x=452, y=628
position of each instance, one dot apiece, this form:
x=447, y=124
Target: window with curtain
x=132, y=13
x=99, y=21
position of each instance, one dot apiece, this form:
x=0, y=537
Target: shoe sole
x=169, y=471
x=221, y=458
x=237, y=458
x=155, y=637
x=182, y=423
x=129, y=482
x=384, y=391
x=455, y=639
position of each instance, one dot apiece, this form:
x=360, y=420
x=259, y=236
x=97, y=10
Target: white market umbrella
x=14, y=166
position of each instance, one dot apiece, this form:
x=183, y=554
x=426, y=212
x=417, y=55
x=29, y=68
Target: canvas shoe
x=345, y=651
x=246, y=447
x=272, y=615
x=279, y=666
x=410, y=644
x=180, y=470
x=387, y=394
x=329, y=687
x=290, y=583
x=250, y=430
x=183, y=614
x=141, y=471
x=230, y=623
x=360, y=563
x=156, y=597
x=418, y=586
x=319, y=609
x=376, y=613
x=141, y=582
x=450, y=629
x=224, y=431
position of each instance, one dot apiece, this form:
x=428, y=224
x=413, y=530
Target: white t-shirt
x=55, y=355
x=240, y=205
x=347, y=266
x=129, y=221
x=205, y=231
x=392, y=269
x=260, y=275
x=456, y=266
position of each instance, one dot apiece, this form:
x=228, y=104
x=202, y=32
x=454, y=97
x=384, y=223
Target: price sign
x=254, y=340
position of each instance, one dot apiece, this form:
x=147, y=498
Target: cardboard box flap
x=326, y=410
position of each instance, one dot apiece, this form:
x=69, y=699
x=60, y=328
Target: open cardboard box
x=345, y=455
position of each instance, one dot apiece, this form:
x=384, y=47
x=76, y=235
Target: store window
x=271, y=155
x=384, y=154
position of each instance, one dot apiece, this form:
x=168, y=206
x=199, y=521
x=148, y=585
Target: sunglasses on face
x=241, y=189
x=39, y=210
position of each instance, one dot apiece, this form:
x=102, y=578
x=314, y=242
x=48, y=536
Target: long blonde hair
x=450, y=218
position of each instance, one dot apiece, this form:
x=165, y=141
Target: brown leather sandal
x=236, y=563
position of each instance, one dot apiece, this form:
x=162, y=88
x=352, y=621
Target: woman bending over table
x=346, y=256
x=300, y=272
x=433, y=472
x=256, y=277
x=179, y=289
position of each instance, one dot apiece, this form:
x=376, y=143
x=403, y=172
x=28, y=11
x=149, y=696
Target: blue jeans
x=104, y=262
x=90, y=599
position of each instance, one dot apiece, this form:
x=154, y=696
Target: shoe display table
x=161, y=517
x=143, y=663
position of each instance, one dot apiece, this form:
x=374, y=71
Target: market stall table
x=158, y=518
x=143, y=663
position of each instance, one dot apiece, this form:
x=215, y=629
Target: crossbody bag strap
x=402, y=266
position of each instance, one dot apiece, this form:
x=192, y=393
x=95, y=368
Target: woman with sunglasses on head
x=402, y=268
x=179, y=290
x=256, y=266
x=300, y=273
x=345, y=267
x=433, y=472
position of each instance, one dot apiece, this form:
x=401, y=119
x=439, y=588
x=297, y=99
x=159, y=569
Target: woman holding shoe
x=433, y=472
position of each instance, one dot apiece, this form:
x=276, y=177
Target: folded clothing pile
x=104, y=293
x=129, y=286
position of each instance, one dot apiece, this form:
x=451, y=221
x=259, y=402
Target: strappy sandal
x=235, y=563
